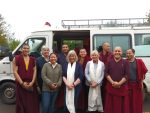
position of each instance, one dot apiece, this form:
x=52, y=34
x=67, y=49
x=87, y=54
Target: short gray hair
x=118, y=47
x=44, y=47
x=94, y=52
x=72, y=52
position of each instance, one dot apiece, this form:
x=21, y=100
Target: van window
x=122, y=40
x=142, y=44
x=35, y=46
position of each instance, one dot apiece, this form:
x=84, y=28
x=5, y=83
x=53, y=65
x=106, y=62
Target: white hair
x=72, y=52
x=44, y=47
x=94, y=52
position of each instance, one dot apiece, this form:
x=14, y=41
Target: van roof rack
x=100, y=23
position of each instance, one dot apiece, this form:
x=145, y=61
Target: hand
x=27, y=85
x=70, y=86
x=93, y=84
x=75, y=84
x=116, y=84
x=55, y=85
x=142, y=85
x=30, y=84
x=52, y=86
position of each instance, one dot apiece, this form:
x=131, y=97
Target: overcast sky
x=25, y=16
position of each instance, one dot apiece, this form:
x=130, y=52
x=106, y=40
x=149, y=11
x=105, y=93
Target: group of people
x=103, y=82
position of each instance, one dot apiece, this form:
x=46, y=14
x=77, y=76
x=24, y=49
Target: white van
x=78, y=37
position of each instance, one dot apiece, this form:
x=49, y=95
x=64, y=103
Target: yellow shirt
x=26, y=64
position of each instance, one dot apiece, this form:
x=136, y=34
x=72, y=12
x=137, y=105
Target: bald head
x=117, y=52
x=106, y=46
x=118, y=48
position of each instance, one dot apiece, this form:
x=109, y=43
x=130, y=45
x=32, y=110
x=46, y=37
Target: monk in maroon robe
x=105, y=56
x=25, y=73
x=137, y=71
x=117, y=88
x=63, y=62
x=83, y=101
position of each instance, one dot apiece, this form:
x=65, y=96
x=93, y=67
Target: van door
x=75, y=39
x=5, y=66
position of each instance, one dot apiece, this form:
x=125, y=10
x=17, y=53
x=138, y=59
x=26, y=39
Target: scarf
x=70, y=93
x=94, y=98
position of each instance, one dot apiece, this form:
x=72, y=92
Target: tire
x=8, y=93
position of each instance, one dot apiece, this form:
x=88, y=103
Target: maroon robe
x=141, y=69
x=26, y=100
x=60, y=100
x=105, y=59
x=83, y=101
x=117, y=98
x=135, y=88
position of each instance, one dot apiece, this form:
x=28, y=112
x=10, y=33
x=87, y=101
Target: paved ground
x=11, y=108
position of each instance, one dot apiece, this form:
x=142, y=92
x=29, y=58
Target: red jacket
x=141, y=69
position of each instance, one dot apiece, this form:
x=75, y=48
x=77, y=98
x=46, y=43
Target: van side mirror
x=10, y=56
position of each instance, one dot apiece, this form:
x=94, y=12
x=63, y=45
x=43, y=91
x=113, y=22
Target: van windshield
x=35, y=46
x=142, y=45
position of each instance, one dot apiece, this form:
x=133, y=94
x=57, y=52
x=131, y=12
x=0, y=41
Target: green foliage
x=7, y=40
x=148, y=16
x=3, y=41
x=3, y=34
x=13, y=43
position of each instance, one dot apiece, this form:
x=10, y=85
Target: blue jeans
x=48, y=101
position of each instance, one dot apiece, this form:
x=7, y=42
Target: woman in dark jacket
x=72, y=77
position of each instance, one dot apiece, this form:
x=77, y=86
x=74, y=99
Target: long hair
x=72, y=52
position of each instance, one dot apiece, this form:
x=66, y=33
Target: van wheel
x=8, y=93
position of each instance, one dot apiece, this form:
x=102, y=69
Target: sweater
x=51, y=75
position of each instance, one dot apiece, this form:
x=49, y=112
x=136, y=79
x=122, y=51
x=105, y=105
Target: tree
x=3, y=34
x=13, y=43
x=148, y=16
x=7, y=40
